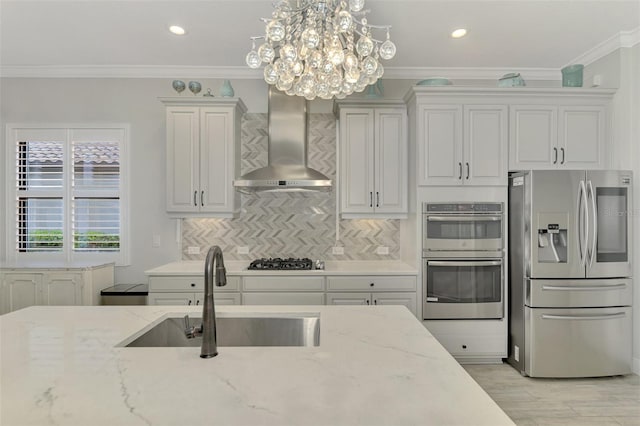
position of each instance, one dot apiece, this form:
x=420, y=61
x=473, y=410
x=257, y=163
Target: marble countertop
x=234, y=267
x=376, y=365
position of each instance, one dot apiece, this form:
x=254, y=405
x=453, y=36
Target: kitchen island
x=375, y=365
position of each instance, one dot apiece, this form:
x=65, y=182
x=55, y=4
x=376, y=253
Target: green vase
x=226, y=91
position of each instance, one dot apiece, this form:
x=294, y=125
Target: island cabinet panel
x=202, y=146
x=23, y=287
x=189, y=290
x=373, y=154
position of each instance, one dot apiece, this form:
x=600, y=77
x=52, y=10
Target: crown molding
x=470, y=73
x=244, y=72
x=622, y=39
x=613, y=43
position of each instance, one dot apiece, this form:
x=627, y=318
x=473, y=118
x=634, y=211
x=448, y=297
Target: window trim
x=123, y=257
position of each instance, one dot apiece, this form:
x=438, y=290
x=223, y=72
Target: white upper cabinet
x=372, y=170
x=203, y=151
x=460, y=136
x=462, y=144
x=569, y=131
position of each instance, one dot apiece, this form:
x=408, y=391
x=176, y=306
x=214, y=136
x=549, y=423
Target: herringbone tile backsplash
x=291, y=225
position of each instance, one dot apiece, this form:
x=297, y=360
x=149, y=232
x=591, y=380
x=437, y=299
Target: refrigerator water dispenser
x=552, y=244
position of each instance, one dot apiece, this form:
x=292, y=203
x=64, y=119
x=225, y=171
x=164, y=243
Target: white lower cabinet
x=356, y=290
x=283, y=290
x=24, y=287
x=483, y=341
x=189, y=290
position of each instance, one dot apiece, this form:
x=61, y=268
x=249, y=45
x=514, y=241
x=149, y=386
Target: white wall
x=131, y=101
x=621, y=69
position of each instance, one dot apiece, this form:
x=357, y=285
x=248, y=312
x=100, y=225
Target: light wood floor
x=595, y=401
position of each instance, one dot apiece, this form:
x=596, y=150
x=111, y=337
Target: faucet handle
x=191, y=331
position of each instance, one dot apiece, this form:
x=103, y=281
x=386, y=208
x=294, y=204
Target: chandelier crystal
x=320, y=48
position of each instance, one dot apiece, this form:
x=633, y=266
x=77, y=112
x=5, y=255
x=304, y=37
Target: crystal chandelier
x=320, y=48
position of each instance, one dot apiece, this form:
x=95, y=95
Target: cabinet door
x=581, y=137
x=485, y=145
x=21, y=291
x=356, y=160
x=404, y=299
x=533, y=137
x=172, y=299
x=182, y=159
x=62, y=288
x=216, y=160
x=390, y=178
x=348, y=298
x=440, y=145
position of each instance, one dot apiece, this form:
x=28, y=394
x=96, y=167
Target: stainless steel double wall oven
x=463, y=255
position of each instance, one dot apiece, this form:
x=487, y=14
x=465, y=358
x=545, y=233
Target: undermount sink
x=261, y=330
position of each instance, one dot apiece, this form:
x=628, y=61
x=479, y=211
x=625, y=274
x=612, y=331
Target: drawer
x=579, y=293
x=372, y=283
x=189, y=283
x=280, y=283
x=283, y=298
x=468, y=345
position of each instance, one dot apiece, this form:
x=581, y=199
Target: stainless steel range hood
x=287, y=169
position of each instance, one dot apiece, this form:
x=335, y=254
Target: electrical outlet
x=156, y=241
x=516, y=353
x=193, y=250
x=337, y=250
x=243, y=250
x=382, y=250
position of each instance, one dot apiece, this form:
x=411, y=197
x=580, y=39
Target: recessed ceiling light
x=177, y=30
x=460, y=32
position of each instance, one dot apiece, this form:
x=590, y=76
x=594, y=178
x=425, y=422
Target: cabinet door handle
x=197, y=302
x=377, y=199
x=195, y=198
x=467, y=171
x=370, y=199
x=189, y=302
x=375, y=302
x=459, y=170
x=202, y=198
x=367, y=302
x=562, y=152
x=555, y=155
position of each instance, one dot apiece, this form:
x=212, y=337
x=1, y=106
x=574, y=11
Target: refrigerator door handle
x=582, y=230
x=594, y=210
x=585, y=317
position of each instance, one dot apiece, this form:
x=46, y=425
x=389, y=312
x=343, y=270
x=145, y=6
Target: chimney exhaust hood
x=287, y=169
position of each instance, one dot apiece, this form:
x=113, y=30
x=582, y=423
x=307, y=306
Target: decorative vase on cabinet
x=226, y=91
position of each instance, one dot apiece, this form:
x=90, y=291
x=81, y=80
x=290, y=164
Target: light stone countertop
x=82, y=265
x=234, y=267
x=376, y=365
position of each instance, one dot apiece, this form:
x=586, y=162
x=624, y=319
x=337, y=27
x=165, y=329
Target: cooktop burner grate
x=282, y=264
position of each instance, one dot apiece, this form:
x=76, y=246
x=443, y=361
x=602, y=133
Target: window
x=69, y=193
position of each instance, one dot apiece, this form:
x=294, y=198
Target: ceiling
x=125, y=37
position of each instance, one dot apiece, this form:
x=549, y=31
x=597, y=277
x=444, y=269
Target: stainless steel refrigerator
x=570, y=286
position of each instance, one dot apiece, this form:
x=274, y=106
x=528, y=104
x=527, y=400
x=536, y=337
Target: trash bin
x=125, y=294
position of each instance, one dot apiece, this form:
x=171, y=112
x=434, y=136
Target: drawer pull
x=193, y=284
x=584, y=288
x=585, y=317
x=372, y=284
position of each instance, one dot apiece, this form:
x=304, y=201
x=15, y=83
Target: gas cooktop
x=280, y=264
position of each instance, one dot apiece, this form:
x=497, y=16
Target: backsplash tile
x=291, y=225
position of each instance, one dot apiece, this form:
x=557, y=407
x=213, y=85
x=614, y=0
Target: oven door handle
x=464, y=263
x=475, y=218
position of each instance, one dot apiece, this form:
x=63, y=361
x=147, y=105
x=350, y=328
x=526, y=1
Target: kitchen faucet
x=208, y=327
